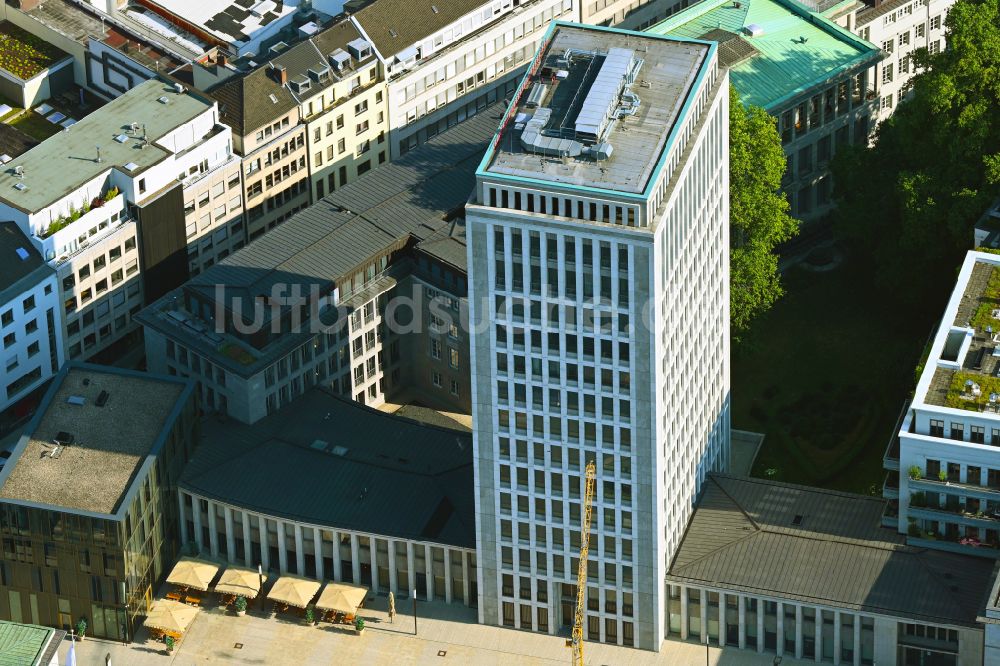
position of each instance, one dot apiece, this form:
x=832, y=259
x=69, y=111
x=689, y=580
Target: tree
x=758, y=212
x=914, y=196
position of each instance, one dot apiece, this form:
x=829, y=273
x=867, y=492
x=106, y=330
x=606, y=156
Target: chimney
x=222, y=60
x=280, y=74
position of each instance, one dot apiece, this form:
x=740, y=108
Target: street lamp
x=413, y=593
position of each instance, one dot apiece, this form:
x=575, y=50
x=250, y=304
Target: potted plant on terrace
x=359, y=626
x=81, y=628
x=915, y=472
x=943, y=476
x=310, y=616
x=240, y=605
x=170, y=643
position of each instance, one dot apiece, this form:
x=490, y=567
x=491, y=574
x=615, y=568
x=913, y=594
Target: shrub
x=111, y=194
x=942, y=475
x=359, y=624
x=241, y=603
x=81, y=626
x=170, y=642
x=310, y=616
x=915, y=472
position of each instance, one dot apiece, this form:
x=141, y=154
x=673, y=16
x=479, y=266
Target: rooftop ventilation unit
x=121, y=138
x=131, y=166
x=308, y=29
x=178, y=88
x=753, y=30
x=602, y=99
x=537, y=95
x=20, y=187
x=5, y=158
x=22, y=253
x=19, y=171
x=102, y=398
x=77, y=400
x=162, y=100
x=360, y=48
x=278, y=48
x=339, y=451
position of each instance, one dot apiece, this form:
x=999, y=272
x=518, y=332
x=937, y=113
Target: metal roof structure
x=28, y=644
x=823, y=547
x=21, y=266
x=797, y=50
x=402, y=202
x=329, y=461
x=603, y=95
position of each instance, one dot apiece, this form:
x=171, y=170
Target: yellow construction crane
x=576, y=642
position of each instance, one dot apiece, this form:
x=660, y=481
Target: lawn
x=35, y=125
x=23, y=54
x=824, y=376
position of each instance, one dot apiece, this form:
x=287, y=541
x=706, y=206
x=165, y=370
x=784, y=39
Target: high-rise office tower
x=599, y=299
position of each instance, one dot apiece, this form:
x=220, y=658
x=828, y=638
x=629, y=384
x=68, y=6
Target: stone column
x=247, y=547
x=196, y=504
x=447, y=575
x=373, y=558
x=355, y=559
x=282, y=548
x=411, y=568
x=213, y=535
x=798, y=631
x=703, y=638
x=742, y=605
x=337, y=573
x=300, y=550
x=836, y=637
x=685, y=627
x=265, y=539
x=819, y=635
x=429, y=568
x=857, y=640
x=465, y=577
x=780, y=643
x=760, y=625
x=227, y=515
x=318, y=549
x=393, y=586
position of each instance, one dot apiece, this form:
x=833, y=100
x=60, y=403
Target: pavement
x=447, y=634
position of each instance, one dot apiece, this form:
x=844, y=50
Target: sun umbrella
x=170, y=616
x=294, y=591
x=239, y=581
x=392, y=607
x=341, y=597
x=193, y=572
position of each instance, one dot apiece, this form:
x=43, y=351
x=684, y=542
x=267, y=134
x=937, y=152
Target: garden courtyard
x=824, y=376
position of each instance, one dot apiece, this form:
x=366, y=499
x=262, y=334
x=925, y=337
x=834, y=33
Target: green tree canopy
x=914, y=196
x=758, y=212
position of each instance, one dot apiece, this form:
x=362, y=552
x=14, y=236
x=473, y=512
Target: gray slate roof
x=244, y=101
x=18, y=275
x=14, y=142
x=742, y=537
x=393, y=25
x=397, y=477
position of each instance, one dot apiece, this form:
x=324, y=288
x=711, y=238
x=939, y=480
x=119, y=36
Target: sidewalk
x=447, y=634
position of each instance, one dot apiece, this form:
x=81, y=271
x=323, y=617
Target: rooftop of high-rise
x=598, y=109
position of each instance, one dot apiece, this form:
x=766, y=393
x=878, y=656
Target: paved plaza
x=447, y=634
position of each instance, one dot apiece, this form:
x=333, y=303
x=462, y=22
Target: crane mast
x=576, y=642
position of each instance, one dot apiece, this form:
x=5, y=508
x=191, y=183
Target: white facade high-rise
x=599, y=303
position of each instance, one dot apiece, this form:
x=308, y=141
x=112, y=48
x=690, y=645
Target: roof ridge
x=799, y=486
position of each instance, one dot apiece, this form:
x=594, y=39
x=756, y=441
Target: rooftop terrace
x=598, y=109
x=24, y=55
x=230, y=21
x=67, y=160
x=963, y=371
x=790, y=51
x=83, y=452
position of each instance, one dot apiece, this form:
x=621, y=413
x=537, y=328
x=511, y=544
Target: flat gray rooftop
x=110, y=443
x=67, y=160
x=664, y=82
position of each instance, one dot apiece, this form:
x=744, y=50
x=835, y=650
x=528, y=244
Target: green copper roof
x=22, y=644
x=784, y=65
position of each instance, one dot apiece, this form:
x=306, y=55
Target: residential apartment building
x=811, y=574
x=445, y=62
x=364, y=292
x=268, y=135
x=353, y=460
x=900, y=28
x=88, y=514
x=946, y=454
x=29, y=317
x=598, y=256
x=810, y=74
x=104, y=204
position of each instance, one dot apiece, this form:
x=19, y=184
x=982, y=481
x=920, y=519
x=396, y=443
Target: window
x=887, y=72
x=7, y=318
x=936, y=428
x=454, y=388
x=435, y=349
x=887, y=102
x=936, y=22
x=904, y=38
x=28, y=304
x=934, y=47
x=920, y=31
x=142, y=186
x=453, y=357
x=436, y=379
x=33, y=349
x=341, y=145
x=887, y=46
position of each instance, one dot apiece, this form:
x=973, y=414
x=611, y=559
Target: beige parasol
x=170, y=616
x=193, y=572
x=341, y=597
x=294, y=591
x=239, y=581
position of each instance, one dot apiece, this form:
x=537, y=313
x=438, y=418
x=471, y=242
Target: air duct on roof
x=753, y=30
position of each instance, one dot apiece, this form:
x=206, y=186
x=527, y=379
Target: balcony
x=991, y=493
x=989, y=521
x=984, y=550
x=890, y=487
